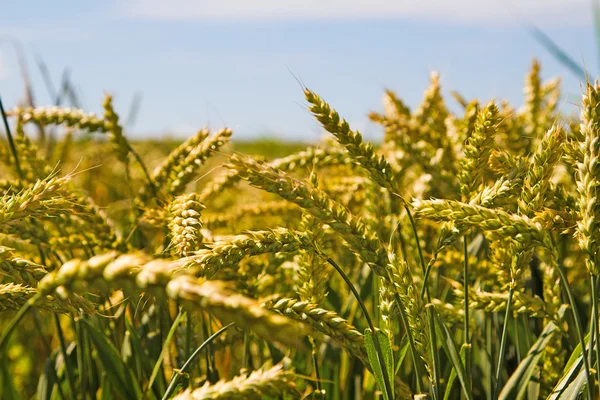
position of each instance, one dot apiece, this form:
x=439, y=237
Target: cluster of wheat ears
x=458, y=259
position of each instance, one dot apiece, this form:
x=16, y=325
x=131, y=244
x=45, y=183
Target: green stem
x=178, y=374
x=316, y=368
x=517, y=339
x=164, y=351
x=503, y=340
x=490, y=352
x=578, y=328
x=139, y=160
x=386, y=378
x=466, y=305
x=433, y=342
x=11, y=142
x=593, y=325
x=434, y=353
x=419, y=369
x=418, y=242
x=426, y=275
x=63, y=350
x=46, y=345
x=594, y=281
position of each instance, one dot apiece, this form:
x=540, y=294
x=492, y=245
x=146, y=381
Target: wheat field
x=457, y=259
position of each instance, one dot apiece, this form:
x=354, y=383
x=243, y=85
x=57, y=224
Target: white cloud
x=563, y=12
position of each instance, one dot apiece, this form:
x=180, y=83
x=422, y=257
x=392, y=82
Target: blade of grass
x=557, y=52
x=467, y=344
x=116, y=371
x=433, y=342
x=573, y=369
x=452, y=377
x=376, y=344
x=500, y=364
x=517, y=385
x=63, y=350
x=578, y=326
x=165, y=348
x=11, y=142
x=177, y=375
x=386, y=348
x=453, y=354
x=594, y=285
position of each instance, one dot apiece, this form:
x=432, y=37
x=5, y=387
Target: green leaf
x=47, y=381
x=388, y=357
x=559, y=54
x=106, y=389
x=116, y=371
x=141, y=358
x=452, y=377
x=404, y=347
x=177, y=375
x=570, y=380
x=517, y=384
x=576, y=354
x=165, y=347
x=576, y=387
x=452, y=352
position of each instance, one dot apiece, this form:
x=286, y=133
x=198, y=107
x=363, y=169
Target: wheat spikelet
x=164, y=171
x=73, y=118
x=185, y=223
x=555, y=354
x=41, y=198
x=362, y=241
x=326, y=322
x=33, y=165
x=551, y=93
x=496, y=302
x=227, y=253
x=19, y=269
x=312, y=273
x=402, y=284
x=432, y=113
x=321, y=157
x=183, y=173
x=496, y=223
x=229, y=306
x=14, y=296
x=533, y=102
x=362, y=152
x=588, y=171
x=477, y=150
x=273, y=382
x=76, y=271
x=537, y=179
x=394, y=119
x=115, y=130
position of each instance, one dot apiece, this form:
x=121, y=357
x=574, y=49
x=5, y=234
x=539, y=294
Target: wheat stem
x=179, y=373
x=386, y=378
x=500, y=364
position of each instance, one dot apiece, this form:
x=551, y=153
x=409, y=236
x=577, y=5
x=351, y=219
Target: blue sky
x=234, y=62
